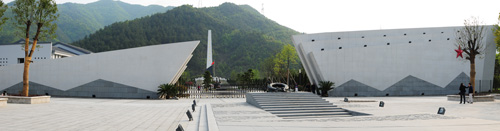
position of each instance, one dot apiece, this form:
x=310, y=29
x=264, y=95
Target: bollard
x=441, y=110
x=190, y=116
x=179, y=128
x=381, y=104
x=193, y=106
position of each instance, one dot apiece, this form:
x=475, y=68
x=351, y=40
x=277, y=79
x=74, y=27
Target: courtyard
x=228, y=114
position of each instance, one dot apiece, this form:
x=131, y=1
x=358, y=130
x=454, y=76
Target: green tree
x=3, y=8
x=496, y=77
x=470, y=39
x=325, y=87
x=496, y=32
x=207, y=79
x=42, y=13
x=247, y=77
x=284, y=60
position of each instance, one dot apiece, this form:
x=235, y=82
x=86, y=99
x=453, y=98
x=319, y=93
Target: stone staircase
x=296, y=105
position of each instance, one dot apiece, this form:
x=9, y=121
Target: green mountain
x=78, y=20
x=242, y=38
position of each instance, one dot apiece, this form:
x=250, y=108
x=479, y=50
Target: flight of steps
x=295, y=105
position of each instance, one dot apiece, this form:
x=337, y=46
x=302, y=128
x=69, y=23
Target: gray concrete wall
x=394, y=62
x=127, y=73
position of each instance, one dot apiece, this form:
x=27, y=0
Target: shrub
x=325, y=87
x=167, y=90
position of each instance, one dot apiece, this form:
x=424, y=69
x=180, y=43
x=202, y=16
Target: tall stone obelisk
x=210, y=62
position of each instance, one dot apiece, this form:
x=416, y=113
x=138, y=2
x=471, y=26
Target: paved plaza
x=229, y=114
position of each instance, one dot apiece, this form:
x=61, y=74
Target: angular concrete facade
x=419, y=61
x=127, y=73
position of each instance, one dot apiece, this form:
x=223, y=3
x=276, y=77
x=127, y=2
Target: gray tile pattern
x=353, y=87
x=408, y=86
x=98, y=88
x=413, y=86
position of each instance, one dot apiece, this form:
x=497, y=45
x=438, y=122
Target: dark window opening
x=388, y=43
x=424, y=33
x=409, y=41
x=20, y=60
x=429, y=40
x=322, y=49
x=340, y=47
x=362, y=36
x=385, y=35
x=405, y=34
x=442, y=32
x=365, y=46
x=312, y=40
x=448, y=39
x=338, y=38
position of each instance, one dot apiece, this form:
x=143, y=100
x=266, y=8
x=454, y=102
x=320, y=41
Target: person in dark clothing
x=462, y=93
x=313, y=89
x=471, y=93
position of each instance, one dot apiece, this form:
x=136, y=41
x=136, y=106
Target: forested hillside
x=78, y=20
x=242, y=38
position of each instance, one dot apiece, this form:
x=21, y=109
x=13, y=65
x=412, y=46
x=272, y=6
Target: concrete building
x=127, y=73
x=419, y=61
x=13, y=53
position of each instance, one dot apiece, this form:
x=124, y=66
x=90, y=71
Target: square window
x=20, y=60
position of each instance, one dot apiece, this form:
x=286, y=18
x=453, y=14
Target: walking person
x=471, y=93
x=462, y=93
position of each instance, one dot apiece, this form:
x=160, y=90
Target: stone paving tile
x=94, y=114
x=399, y=113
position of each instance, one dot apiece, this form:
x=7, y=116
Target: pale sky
x=316, y=16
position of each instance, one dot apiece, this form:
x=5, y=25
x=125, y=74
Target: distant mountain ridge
x=242, y=37
x=78, y=20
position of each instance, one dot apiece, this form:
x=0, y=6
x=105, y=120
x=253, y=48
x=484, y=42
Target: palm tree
x=167, y=90
x=325, y=87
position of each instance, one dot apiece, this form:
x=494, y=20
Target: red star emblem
x=459, y=51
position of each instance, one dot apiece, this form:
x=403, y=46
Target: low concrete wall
x=486, y=98
x=497, y=96
x=27, y=100
x=3, y=102
x=251, y=100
